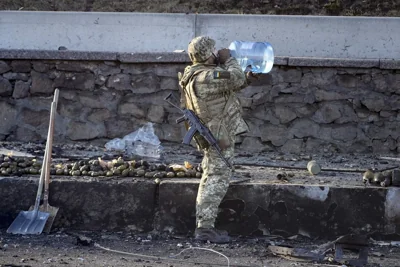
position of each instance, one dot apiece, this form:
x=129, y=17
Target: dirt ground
x=62, y=248
x=151, y=250
x=275, y=7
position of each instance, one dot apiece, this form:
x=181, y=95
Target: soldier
x=208, y=88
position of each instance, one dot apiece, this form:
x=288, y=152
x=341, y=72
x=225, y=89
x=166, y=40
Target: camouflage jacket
x=210, y=92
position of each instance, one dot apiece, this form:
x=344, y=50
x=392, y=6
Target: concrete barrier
x=257, y=208
x=129, y=32
x=302, y=105
x=293, y=36
x=84, y=203
x=249, y=209
x=309, y=36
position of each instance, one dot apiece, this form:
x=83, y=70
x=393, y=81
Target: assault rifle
x=196, y=126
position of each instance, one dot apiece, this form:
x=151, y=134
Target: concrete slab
x=308, y=36
x=182, y=57
x=333, y=62
x=55, y=54
x=253, y=208
x=390, y=64
x=261, y=209
x=153, y=57
x=84, y=203
x=291, y=36
x=392, y=210
x=95, y=31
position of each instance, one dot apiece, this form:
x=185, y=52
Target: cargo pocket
x=220, y=132
x=201, y=141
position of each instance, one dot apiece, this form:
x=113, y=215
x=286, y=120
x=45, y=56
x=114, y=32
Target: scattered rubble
x=384, y=178
x=61, y=248
x=17, y=166
x=82, y=159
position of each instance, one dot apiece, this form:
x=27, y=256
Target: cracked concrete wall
x=300, y=108
x=256, y=209
x=84, y=204
x=249, y=209
x=392, y=210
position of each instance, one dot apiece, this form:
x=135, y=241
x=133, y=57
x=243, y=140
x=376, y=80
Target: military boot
x=211, y=234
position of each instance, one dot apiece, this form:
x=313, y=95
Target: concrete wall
x=309, y=36
x=248, y=209
x=294, y=36
x=94, y=31
x=301, y=105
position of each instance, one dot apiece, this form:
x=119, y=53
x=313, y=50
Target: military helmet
x=201, y=48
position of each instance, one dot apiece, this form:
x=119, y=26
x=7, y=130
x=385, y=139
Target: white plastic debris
x=142, y=142
x=116, y=144
x=395, y=243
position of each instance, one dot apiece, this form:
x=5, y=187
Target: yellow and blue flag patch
x=222, y=74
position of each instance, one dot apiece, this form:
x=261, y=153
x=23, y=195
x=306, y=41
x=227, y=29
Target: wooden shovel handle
x=49, y=148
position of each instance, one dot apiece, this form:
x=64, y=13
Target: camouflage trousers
x=213, y=186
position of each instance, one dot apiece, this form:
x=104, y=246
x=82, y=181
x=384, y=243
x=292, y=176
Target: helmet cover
x=201, y=48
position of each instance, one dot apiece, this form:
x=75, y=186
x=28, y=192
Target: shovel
x=33, y=221
x=45, y=207
x=48, y=152
x=30, y=222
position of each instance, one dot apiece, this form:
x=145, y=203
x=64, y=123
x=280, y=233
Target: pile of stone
x=18, y=166
x=384, y=178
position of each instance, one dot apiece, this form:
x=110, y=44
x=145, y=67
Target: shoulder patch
x=222, y=74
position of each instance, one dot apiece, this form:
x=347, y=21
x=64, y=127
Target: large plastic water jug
x=257, y=57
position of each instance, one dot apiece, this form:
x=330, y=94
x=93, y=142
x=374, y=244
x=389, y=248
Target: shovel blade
x=28, y=222
x=52, y=215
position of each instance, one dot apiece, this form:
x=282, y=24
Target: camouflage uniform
x=209, y=90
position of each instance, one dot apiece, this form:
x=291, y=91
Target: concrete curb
x=84, y=204
x=250, y=208
x=312, y=210
x=14, y=54
x=333, y=62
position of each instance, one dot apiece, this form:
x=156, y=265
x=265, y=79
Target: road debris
x=313, y=167
x=142, y=142
x=348, y=242
x=296, y=254
x=382, y=178
x=352, y=242
x=117, y=167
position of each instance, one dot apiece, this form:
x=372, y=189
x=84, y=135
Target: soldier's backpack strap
x=181, y=91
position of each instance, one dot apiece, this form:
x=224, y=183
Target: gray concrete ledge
x=389, y=64
x=56, y=55
x=333, y=62
x=182, y=57
x=153, y=57
x=96, y=56
x=250, y=208
x=282, y=61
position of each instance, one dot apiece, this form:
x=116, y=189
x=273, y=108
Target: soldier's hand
x=251, y=76
x=223, y=55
